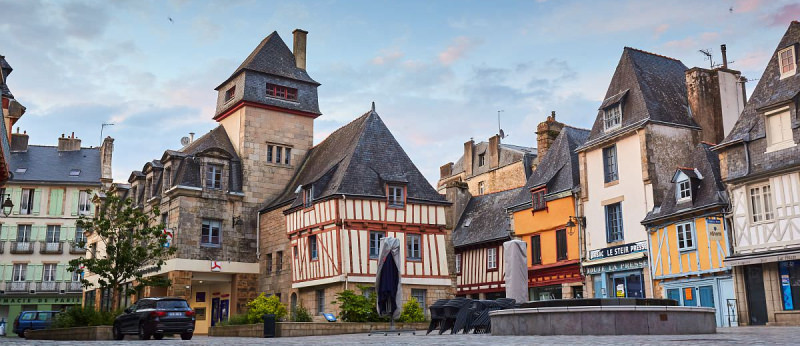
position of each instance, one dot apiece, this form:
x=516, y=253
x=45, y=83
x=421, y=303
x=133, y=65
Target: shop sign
x=639, y=246
x=615, y=267
x=168, y=233
x=215, y=266
x=714, y=229
x=39, y=300
x=621, y=290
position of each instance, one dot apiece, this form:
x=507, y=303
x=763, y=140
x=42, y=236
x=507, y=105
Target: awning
x=620, y=258
x=763, y=257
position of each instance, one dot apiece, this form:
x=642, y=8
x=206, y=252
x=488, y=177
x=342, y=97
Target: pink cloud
x=387, y=57
x=460, y=47
x=693, y=42
x=660, y=30
x=785, y=15
x=744, y=6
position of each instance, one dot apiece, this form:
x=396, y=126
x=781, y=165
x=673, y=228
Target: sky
x=438, y=71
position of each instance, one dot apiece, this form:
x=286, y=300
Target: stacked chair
x=465, y=315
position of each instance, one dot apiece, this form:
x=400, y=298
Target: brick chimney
x=106, y=151
x=716, y=98
x=300, y=47
x=494, y=151
x=546, y=133
x=19, y=141
x=70, y=143
x=469, y=148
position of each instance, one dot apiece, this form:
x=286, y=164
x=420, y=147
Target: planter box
x=292, y=329
x=77, y=333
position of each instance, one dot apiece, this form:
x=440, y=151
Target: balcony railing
x=47, y=286
x=51, y=248
x=17, y=286
x=74, y=286
x=77, y=250
x=2, y=247
x=40, y=286
x=21, y=247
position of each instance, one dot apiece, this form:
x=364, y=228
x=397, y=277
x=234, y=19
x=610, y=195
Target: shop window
x=627, y=285
x=789, y=276
x=561, y=244
x=685, y=236
x=536, y=249
x=375, y=238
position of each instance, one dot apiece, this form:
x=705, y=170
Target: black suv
x=156, y=317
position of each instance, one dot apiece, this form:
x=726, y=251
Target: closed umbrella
x=387, y=284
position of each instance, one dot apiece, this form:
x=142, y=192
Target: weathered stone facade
x=275, y=243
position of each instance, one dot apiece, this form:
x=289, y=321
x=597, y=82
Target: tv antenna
x=499, y=129
x=709, y=56
x=103, y=127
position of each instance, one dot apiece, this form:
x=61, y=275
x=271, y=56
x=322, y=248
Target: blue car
x=33, y=320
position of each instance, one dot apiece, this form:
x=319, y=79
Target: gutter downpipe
x=575, y=197
x=258, y=235
x=341, y=236
x=650, y=265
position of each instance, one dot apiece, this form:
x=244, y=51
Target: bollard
x=269, y=325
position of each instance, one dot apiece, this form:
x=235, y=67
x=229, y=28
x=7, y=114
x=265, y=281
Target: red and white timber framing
x=476, y=276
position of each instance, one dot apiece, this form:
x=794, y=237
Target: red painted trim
x=242, y=104
x=486, y=290
x=411, y=276
x=482, y=284
x=360, y=255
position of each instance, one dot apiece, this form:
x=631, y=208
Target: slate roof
x=558, y=170
x=45, y=164
x=485, y=219
x=186, y=169
x=652, y=88
x=358, y=159
x=272, y=56
x=509, y=154
x=708, y=191
x=5, y=70
x=770, y=90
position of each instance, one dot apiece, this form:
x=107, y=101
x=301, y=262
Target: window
x=413, y=247
x=420, y=296
x=80, y=238
x=685, y=236
x=74, y=172
x=18, y=273
x=610, y=163
x=229, y=93
x=761, y=203
x=49, y=272
x=312, y=246
x=148, y=186
x=790, y=288
x=375, y=243
x=612, y=116
x=21, y=170
x=84, y=203
x=536, y=249
x=26, y=204
x=481, y=187
x=281, y=92
x=167, y=178
x=214, y=176
x=53, y=234
x=279, y=261
x=786, y=62
x=491, y=258
x=537, y=199
x=211, y=233
x=614, y=223
x=684, y=190
x=320, y=301
x=308, y=196
x=396, y=196
x=561, y=244
x=458, y=263
x=164, y=219
x=288, y=157
x=269, y=263
x=76, y=276
x=294, y=251
x=779, y=130
x=481, y=159
x=278, y=150
x=269, y=153
x=23, y=233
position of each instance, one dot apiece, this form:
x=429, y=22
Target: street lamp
x=580, y=220
x=8, y=205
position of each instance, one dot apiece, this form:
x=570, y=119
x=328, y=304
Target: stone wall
x=307, y=296
x=274, y=241
x=77, y=333
x=500, y=179
x=245, y=289
x=296, y=329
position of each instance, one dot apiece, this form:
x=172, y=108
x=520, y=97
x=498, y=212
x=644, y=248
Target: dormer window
x=229, y=93
x=74, y=172
x=214, y=177
x=396, y=195
x=786, y=62
x=481, y=160
x=612, y=116
x=537, y=200
x=684, y=190
x=282, y=92
x=308, y=196
x=779, y=129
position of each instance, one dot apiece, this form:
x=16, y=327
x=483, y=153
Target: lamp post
x=573, y=220
x=8, y=205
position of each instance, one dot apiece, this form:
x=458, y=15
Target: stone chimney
x=716, y=98
x=456, y=192
x=19, y=141
x=106, y=151
x=70, y=143
x=446, y=170
x=469, y=148
x=494, y=151
x=546, y=133
x=300, y=47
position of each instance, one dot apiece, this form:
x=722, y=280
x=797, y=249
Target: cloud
x=387, y=57
x=745, y=6
x=693, y=42
x=659, y=30
x=785, y=15
x=458, y=49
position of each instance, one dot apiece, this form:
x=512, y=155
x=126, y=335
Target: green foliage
x=265, y=305
x=412, y=312
x=132, y=240
x=358, y=308
x=301, y=314
x=78, y=316
x=235, y=320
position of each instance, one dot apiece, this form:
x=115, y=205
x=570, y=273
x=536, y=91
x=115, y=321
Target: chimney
x=69, y=143
x=19, y=141
x=456, y=192
x=546, y=133
x=191, y=137
x=300, y=48
x=106, y=151
x=494, y=151
x=724, y=51
x=446, y=170
x=469, y=147
x=715, y=100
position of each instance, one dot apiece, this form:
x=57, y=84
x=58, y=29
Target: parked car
x=156, y=317
x=33, y=320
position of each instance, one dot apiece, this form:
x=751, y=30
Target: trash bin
x=269, y=325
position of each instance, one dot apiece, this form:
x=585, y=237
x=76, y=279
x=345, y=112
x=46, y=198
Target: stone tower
x=267, y=107
x=546, y=133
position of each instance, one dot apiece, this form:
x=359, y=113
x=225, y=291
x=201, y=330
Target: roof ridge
x=576, y=128
x=651, y=53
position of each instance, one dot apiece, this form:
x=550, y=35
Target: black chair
x=437, y=314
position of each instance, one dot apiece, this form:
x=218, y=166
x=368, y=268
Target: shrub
x=236, y=320
x=412, y=312
x=265, y=305
x=358, y=308
x=78, y=316
x=300, y=314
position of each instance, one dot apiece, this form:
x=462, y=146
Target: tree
x=132, y=240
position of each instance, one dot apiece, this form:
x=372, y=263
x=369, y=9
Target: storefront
x=771, y=282
x=11, y=306
x=619, y=271
x=560, y=280
x=712, y=292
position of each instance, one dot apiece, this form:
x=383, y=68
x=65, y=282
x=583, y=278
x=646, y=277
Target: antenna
x=103, y=127
x=500, y=130
x=185, y=141
x=709, y=56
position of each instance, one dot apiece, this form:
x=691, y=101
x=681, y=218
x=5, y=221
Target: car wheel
x=158, y=336
x=23, y=332
x=186, y=336
x=117, y=333
x=143, y=335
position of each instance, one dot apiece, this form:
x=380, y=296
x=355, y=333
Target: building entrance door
x=214, y=311
x=627, y=285
x=756, y=300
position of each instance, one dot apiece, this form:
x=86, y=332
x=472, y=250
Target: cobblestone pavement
x=742, y=335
